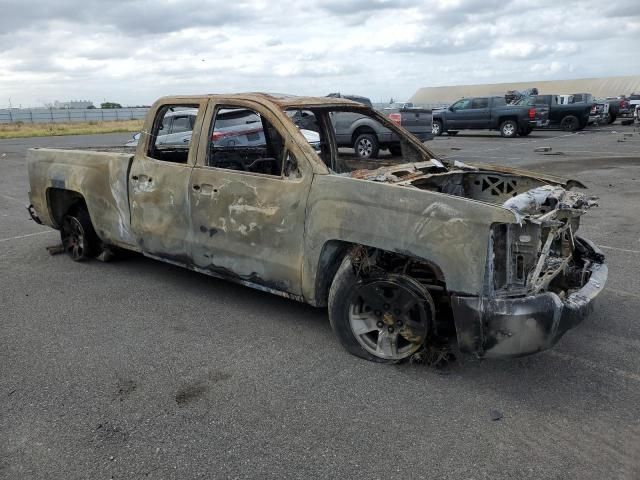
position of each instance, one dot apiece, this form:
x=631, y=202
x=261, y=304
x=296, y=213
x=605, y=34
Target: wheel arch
x=334, y=252
x=61, y=201
x=504, y=118
x=362, y=129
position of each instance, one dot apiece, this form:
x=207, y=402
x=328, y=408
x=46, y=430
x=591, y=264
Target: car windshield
x=351, y=140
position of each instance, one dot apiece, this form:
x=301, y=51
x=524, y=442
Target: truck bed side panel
x=100, y=177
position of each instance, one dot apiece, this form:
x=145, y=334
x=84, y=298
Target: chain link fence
x=45, y=115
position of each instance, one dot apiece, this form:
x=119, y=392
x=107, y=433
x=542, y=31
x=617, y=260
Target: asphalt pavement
x=139, y=369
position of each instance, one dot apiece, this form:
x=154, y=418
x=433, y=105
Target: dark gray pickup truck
x=488, y=113
x=569, y=117
x=367, y=138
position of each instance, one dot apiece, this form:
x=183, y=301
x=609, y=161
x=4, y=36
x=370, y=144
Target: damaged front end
x=541, y=277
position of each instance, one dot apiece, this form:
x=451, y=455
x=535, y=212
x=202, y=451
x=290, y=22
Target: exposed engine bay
x=540, y=252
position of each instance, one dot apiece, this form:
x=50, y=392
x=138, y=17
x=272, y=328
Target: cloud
x=134, y=50
x=531, y=50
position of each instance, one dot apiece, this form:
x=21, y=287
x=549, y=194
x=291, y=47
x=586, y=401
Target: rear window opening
x=171, y=133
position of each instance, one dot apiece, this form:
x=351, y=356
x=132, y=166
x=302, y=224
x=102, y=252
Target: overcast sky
x=132, y=51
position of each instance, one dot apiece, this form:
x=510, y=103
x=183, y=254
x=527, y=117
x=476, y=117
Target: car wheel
x=570, y=123
x=452, y=133
x=384, y=318
x=436, y=128
x=78, y=237
x=366, y=145
x=395, y=150
x=611, y=118
x=509, y=129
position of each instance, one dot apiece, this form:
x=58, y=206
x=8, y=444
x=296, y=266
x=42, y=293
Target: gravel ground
x=138, y=369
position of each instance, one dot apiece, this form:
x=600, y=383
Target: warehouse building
x=598, y=87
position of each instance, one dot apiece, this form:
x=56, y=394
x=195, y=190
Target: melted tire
x=344, y=287
x=78, y=236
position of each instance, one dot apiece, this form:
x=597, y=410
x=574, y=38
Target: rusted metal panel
x=452, y=232
x=101, y=178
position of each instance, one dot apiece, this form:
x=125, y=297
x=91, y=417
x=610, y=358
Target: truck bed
x=98, y=174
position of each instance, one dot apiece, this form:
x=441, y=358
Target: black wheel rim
x=388, y=319
x=73, y=238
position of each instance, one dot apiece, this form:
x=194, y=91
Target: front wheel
x=78, y=237
x=366, y=145
x=384, y=318
x=509, y=129
x=436, y=128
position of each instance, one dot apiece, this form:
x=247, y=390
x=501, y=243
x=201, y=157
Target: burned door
x=248, y=195
x=158, y=187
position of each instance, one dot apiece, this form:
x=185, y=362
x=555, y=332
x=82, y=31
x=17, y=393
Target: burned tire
x=570, y=123
x=78, y=237
x=436, y=128
x=384, y=318
x=509, y=128
x=366, y=145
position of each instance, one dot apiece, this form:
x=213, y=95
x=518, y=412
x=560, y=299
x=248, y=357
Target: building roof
x=598, y=87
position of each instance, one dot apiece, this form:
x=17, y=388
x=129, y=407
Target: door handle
x=195, y=187
x=134, y=178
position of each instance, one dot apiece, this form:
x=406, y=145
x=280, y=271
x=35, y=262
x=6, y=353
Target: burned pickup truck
x=403, y=250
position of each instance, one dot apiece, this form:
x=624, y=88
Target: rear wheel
x=436, y=127
x=78, y=237
x=366, y=145
x=570, y=123
x=509, y=128
x=384, y=318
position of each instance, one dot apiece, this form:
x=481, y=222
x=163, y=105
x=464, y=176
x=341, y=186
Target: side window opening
x=171, y=134
x=241, y=139
x=308, y=124
x=480, y=103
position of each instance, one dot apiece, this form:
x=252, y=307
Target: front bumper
x=510, y=327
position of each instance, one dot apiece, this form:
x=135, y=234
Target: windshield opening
x=349, y=140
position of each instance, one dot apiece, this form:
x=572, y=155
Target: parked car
x=175, y=129
x=367, y=138
x=401, y=255
x=620, y=107
x=234, y=128
x=570, y=117
x=399, y=106
x=488, y=113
